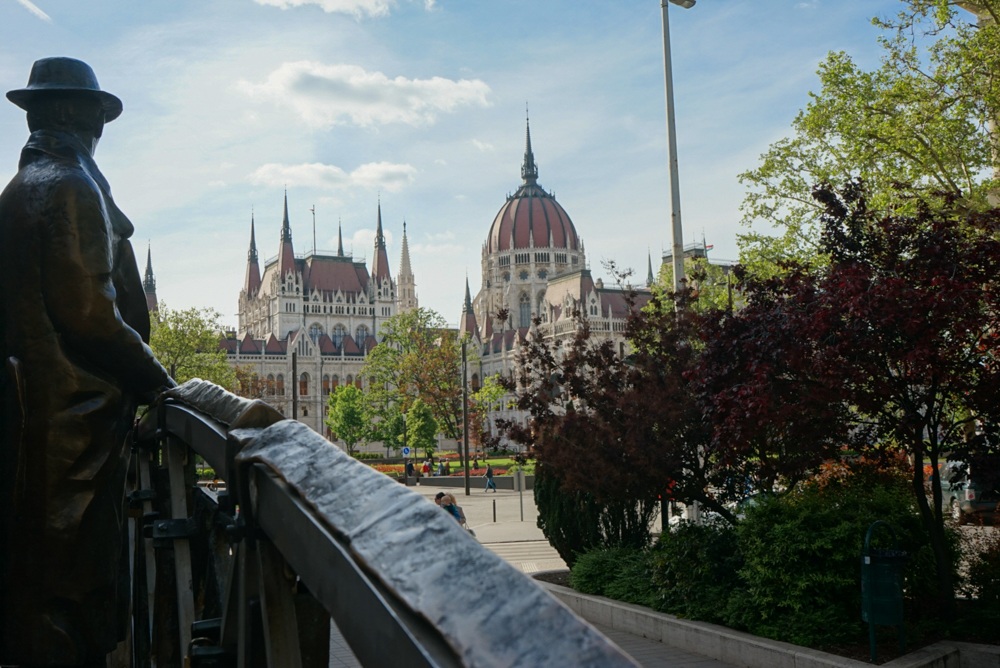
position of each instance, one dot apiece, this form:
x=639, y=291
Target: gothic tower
x=406, y=284
x=149, y=282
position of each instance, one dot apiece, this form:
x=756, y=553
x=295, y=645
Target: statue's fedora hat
x=69, y=77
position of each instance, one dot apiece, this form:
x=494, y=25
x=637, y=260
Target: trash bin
x=882, y=585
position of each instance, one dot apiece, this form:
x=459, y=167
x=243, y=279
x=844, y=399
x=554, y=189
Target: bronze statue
x=74, y=329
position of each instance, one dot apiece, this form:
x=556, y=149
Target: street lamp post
x=465, y=416
x=677, y=233
x=675, y=192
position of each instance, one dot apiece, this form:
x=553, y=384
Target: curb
x=742, y=649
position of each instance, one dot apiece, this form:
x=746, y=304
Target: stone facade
x=306, y=322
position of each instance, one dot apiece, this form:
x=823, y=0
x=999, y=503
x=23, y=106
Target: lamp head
x=686, y=4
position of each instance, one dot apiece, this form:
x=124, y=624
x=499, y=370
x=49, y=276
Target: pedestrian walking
x=489, y=478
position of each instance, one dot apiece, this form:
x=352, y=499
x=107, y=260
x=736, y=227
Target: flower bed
x=481, y=472
x=394, y=470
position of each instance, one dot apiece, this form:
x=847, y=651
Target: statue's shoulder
x=43, y=185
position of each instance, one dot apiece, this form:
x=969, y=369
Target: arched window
x=349, y=380
x=303, y=385
x=270, y=384
x=281, y=385
x=339, y=332
x=361, y=335
x=334, y=382
x=326, y=384
x=524, y=311
x=357, y=382
x=315, y=331
x=475, y=382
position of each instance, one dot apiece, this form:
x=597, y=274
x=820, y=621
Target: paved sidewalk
x=496, y=519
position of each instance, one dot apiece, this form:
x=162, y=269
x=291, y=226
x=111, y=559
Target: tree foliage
x=418, y=357
x=345, y=416
x=892, y=345
x=187, y=344
x=481, y=402
x=249, y=384
x=421, y=428
x=922, y=119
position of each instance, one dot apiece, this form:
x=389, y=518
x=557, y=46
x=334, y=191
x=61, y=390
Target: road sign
x=406, y=451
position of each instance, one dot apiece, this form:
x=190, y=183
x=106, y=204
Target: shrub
x=576, y=522
x=693, y=569
x=367, y=455
x=620, y=573
x=800, y=580
x=984, y=581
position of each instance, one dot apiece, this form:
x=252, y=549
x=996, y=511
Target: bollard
x=519, y=477
x=494, y=511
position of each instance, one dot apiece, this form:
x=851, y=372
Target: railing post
x=175, y=454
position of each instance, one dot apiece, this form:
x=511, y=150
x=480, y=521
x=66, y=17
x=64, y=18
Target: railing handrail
x=404, y=583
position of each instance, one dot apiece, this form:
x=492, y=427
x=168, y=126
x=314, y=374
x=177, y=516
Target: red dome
x=531, y=218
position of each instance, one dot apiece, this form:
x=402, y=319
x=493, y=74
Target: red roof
x=273, y=345
x=532, y=217
x=349, y=346
x=328, y=274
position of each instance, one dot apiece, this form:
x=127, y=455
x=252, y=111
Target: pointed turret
x=468, y=297
x=149, y=282
x=380, y=264
x=251, y=283
x=467, y=323
x=406, y=284
x=286, y=256
x=404, y=259
x=340, y=239
x=650, y=279
x=529, y=170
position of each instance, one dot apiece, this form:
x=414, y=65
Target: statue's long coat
x=73, y=331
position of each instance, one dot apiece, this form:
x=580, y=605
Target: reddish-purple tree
x=643, y=426
x=893, y=345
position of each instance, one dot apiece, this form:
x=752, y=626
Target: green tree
x=419, y=357
x=187, y=343
x=421, y=428
x=923, y=118
x=346, y=417
x=248, y=383
x=481, y=402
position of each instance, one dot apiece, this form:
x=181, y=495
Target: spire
x=529, y=170
x=467, y=323
x=650, y=279
x=251, y=283
x=286, y=256
x=340, y=239
x=406, y=286
x=404, y=259
x=468, y=297
x=286, y=228
x=380, y=265
x=149, y=282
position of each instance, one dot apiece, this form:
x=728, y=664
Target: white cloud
x=386, y=175
x=483, y=146
x=356, y=8
x=327, y=95
x=31, y=7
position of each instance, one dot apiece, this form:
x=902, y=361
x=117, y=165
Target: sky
x=420, y=105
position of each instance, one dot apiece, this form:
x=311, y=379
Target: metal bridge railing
x=304, y=534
